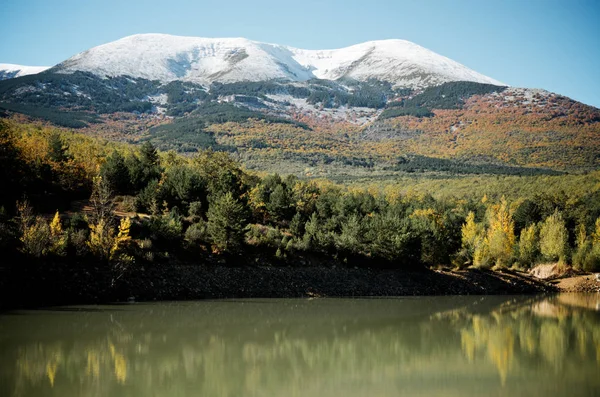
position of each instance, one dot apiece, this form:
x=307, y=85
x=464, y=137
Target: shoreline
x=54, y=286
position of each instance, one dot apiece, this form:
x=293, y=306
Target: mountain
x=374, y=109
x=207, y=60
x=9, y=71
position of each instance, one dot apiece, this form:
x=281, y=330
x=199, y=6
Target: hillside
x=375, y=109
x=107, y=211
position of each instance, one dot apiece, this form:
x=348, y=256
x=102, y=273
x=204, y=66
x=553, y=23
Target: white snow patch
x=160, y=99
x=12, y=70
x=206, y=60
x=355, y=115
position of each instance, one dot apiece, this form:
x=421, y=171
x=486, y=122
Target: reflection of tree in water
x=546, y=330
x=496, y=340
x=213, y=364
x=337, y=357
x=88, y=364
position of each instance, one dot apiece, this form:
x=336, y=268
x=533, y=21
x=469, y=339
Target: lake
x=415, y=346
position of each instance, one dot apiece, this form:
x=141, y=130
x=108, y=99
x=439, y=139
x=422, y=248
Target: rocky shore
x=184, y=282
x=192, y=282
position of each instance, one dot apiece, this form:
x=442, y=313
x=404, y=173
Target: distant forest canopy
x=450, y=95
x=137, y=205
x=47, y=94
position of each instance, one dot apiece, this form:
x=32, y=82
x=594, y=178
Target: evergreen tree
x=226, y=222
x=351, y=238
x=297, y=225
x=116, y=174
x=279, y=204
x=149, y=155
x=150, y=162
x=57, y=149
x=13, y=170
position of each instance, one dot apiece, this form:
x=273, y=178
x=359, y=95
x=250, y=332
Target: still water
x=421, y=346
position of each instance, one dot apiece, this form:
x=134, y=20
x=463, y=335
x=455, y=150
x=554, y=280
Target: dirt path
x=584, y=283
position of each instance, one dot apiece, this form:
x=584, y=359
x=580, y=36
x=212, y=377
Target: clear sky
x=530, y=43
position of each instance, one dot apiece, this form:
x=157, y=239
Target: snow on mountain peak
x=9, y=70
x=205, y=60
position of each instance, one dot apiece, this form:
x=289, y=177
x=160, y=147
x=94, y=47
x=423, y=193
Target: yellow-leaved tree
x=554, y=238
x=58, y=236
x=528, y=245
x=474, y=249
x=102, y=237
x=103, y=242
x=596, y=234
x=501, y=233
x=35, y=232
x=122, y=239
x=471, y=232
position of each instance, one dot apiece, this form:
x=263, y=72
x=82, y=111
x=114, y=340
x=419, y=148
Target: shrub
x=591, y=262
x=165, y=229
x=196, y=233
x=78, y=241
x=36, y=238
x=195, y=209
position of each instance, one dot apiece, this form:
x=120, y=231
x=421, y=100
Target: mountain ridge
x=10, y=70
x=205, y=60
x=333, y=110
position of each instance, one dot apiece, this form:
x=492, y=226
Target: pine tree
x=279, y=203
x=149, y=155
x=150, y=163
x=57, y=150
x=116, y=174
x=226, y=223
x=352, y=235
x=297, y=226
x=311, y=238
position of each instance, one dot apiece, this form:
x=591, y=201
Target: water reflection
x=326, y=347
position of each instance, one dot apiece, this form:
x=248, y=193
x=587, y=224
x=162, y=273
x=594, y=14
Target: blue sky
x=531, y=43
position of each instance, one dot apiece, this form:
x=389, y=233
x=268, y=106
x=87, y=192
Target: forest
x=69, y=198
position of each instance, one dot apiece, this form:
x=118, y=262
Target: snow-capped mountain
x=206, y=60
x=9, y=71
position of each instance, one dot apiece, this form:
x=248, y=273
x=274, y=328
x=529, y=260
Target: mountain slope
x=9, y=70
x=206, y=60
x=377, y=107
x=399, y=62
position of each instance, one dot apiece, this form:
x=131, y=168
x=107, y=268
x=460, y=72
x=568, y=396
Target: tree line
x=146, y=206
